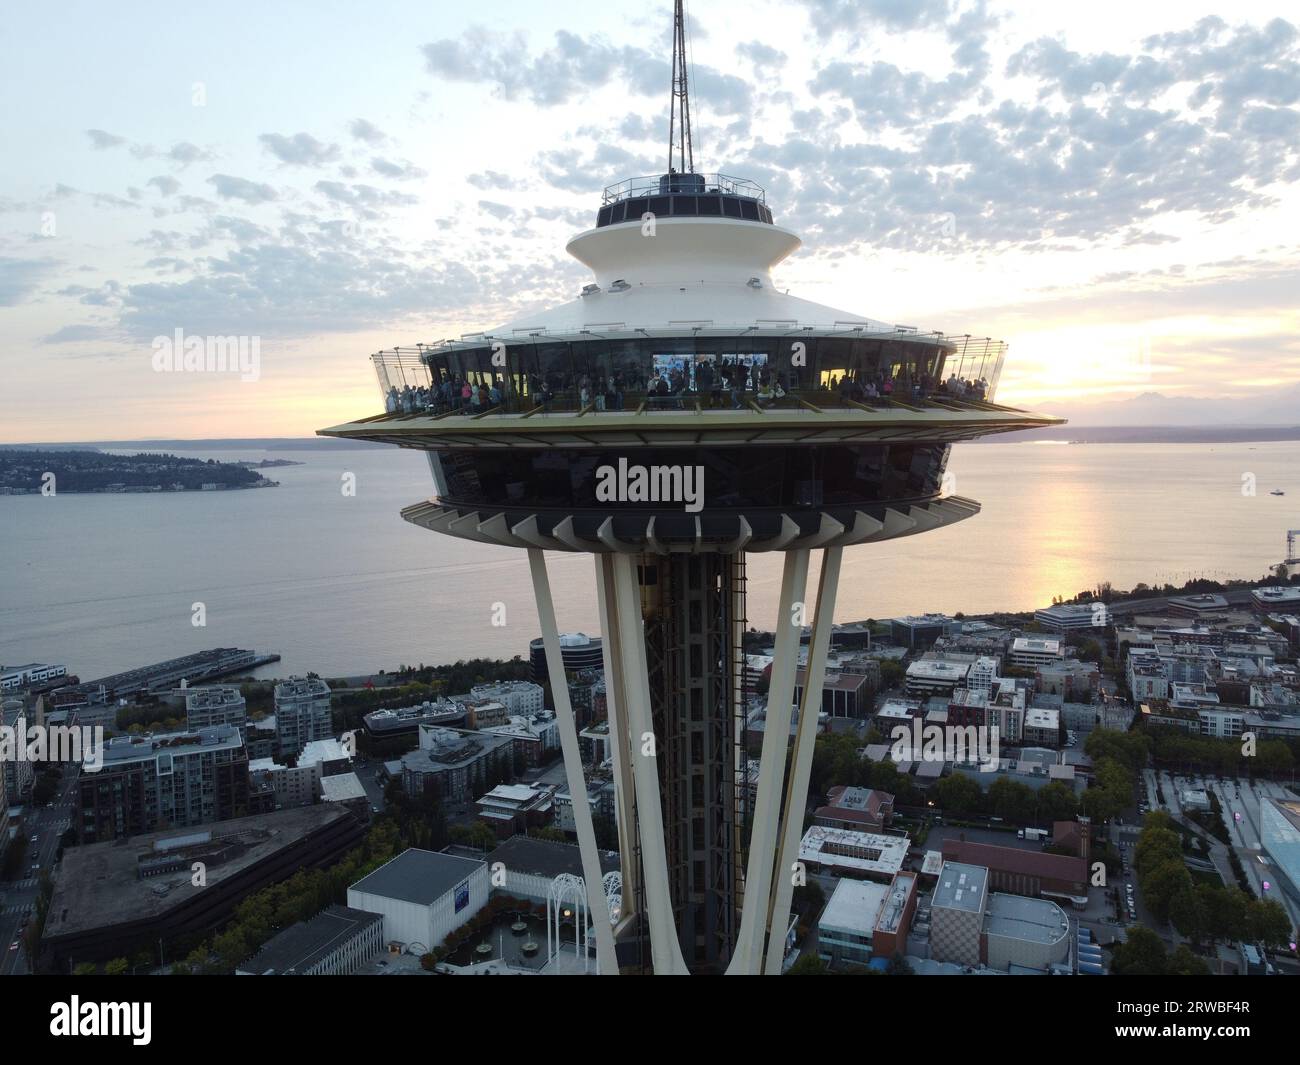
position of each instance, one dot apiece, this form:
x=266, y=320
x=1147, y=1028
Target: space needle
x=678, y=415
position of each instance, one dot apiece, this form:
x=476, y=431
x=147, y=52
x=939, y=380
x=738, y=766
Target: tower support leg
x=748, y=956
x=606, y=963
x=665, y=950
x=620, y=752
x=796, y=795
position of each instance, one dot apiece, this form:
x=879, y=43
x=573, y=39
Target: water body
x=340, y=584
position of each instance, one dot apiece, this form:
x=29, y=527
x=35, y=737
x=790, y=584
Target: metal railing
x=684, y=184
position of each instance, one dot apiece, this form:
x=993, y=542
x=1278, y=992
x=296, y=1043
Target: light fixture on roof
x=619, y=286
x=755, y=282
x=590, y=290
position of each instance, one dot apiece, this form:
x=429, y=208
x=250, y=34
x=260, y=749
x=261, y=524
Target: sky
x=1112, y=188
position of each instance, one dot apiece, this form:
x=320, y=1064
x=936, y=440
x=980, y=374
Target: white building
x=520, y=697
x=930, y=676
x=1071, y=617
x=983, y=675
x=217, y=705
x=423, y=896
x=865, y=855
x=302, y=713
x=1030, y=652
x=14, y=677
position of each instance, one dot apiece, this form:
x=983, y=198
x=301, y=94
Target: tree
x=1142, y=954
x=85, y=968
x=1185, y=962
x=1267, y=923
x=1187, y=914
x=959, y=794
x=117, y=967
x=807, y=965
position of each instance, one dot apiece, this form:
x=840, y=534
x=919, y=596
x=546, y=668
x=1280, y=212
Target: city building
x=957, y=913
x=178, y=780
x=578, y=651
x=296, y=781
x=1042, y=727
x=1072, y=617
x=1023, y=935
x=32, y=674
x=388, y=724
x=682, y=355
x=219, y=705
x=521, y=698
x=1195, y=606
x=1034, y=652
x=115, y=898
x=862, y=855
x=336, y=942
x=302, y=713
x=533, y=738
x=919, y=633
x=928, y=677
x=347, y=790
x=423, y=896
x=983, y=675
x=843, y=694
x=1024, y=872
x=455, y=765
x=19, y=774
x=511, y=808
x=1277, y=599
x=531, y=866
x=847, y=925
x=1069, y=678
x=858, y=809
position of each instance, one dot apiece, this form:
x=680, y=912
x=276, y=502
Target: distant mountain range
x=1279, y=408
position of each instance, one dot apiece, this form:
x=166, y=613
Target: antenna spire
x=679, y=113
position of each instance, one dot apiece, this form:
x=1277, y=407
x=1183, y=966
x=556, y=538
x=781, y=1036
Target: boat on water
x=1277, y=492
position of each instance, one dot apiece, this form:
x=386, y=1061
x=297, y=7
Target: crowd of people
x=667, y=388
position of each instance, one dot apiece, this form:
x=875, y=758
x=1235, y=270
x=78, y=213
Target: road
x=18, y=898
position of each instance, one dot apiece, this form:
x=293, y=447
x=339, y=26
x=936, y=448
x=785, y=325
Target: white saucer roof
x=684, y=275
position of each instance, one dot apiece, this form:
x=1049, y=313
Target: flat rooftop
x=854, y=906
x=546, y=858
x=98, y=884
x=1025, y=919
x=901, y=889
x=961, y=887
x=301, y=945
x=417, y=876
x=865, y=852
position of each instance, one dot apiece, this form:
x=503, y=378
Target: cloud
x=237, y=188
x=19, y=278
x=366, y=199
x=366, y=131
x=75, y=334
x=403, y=171
x=302, y=149
x=101, y=141
x=573, y=67
x=165, y=185
x=830, y=17
x=186, y=153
